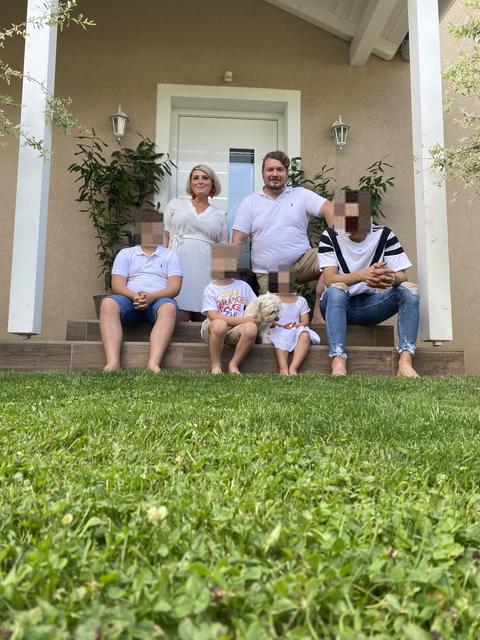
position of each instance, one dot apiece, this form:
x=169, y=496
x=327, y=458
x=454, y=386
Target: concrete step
x=88, y=355
x=81, y=330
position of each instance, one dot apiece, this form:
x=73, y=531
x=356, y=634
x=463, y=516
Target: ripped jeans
x=338, y=308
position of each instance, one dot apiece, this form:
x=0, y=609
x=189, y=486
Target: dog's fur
x=265, y=308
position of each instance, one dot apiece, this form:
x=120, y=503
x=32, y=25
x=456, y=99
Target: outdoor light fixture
x=339, y=132
x=405, y=49
x=119, y=123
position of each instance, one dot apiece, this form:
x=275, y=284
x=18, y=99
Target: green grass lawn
x=199, y=507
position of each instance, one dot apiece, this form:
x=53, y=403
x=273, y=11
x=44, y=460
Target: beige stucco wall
x=122, y=60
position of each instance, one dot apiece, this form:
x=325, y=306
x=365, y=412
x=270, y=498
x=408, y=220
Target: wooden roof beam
x=373, y=22
x=309, y=11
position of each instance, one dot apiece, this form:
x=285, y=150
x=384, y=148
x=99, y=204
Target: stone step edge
x=88, y=355
x=88, y=330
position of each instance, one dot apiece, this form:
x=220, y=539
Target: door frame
x=172, y=97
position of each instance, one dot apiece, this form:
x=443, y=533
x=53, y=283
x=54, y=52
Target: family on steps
x=189, y=272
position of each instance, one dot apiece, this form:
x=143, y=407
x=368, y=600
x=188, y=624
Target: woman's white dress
x=191, y=237
x=287, y=339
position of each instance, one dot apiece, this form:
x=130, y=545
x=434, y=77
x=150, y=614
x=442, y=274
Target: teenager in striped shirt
x=364, y=268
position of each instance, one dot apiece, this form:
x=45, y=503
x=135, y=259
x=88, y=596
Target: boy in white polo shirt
x=224, y=302
x=145, y=279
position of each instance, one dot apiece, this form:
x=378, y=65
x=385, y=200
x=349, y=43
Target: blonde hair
x=216, y=184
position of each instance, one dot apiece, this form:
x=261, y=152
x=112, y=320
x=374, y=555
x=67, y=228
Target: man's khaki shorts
x=231, y=337
x=305, y=270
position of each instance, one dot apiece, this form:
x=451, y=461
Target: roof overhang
x=371, y=26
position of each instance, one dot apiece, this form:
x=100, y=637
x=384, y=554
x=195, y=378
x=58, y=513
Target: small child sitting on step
x=291, y=333
x=224, y=302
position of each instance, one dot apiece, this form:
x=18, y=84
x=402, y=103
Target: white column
x=28, y=259
x=430, y=196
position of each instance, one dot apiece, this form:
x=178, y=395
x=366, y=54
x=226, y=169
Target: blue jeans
x=130, y=316
x=338, y=308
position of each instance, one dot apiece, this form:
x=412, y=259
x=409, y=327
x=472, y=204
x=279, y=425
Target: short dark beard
x=275, y=188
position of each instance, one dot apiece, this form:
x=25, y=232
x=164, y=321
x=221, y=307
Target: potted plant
x=114, y=191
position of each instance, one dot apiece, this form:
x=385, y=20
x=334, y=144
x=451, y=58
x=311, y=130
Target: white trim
x=310, y=11
x=430, y=193
x=239, y=99
x=33, y=178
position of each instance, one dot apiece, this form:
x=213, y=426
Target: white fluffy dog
x=265, y=308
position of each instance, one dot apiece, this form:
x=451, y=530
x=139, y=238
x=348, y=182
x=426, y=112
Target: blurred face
x=151, y=234
x=224, y=261
x=285, y=282
x=281, y=281
x=274, y=175
x=354, y=218
x=200, y=184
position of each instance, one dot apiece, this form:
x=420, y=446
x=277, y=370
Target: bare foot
x=111, y=367
x=154, y=368
x=339, y=366
x=233, y=369
x=293, y=372
x=283, y=372
x=406, y=370
x=405, y=366
x=216, y=370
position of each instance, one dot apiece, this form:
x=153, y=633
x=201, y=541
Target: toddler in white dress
x=291, y=333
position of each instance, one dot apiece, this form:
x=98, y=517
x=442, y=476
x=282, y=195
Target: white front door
x=232, y=143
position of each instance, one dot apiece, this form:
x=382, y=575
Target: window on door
x=241, y=178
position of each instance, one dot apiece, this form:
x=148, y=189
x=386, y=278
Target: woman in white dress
x=291, y=332
x=192, y=225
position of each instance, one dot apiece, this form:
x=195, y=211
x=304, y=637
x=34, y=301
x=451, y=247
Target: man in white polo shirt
x=145, y=279
x=276, y=220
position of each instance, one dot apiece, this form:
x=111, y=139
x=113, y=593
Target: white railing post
x=31, y=210
x=430, y=193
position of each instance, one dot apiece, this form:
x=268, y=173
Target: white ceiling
x=371, y=26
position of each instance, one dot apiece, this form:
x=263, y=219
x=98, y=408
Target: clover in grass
x=157, y=514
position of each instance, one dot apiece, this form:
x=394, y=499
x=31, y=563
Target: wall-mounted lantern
x=339, y=132
x=119, y=123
